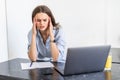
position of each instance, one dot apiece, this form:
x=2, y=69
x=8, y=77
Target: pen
x=31, y=63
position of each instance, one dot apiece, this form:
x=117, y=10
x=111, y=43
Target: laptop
x=84, y=60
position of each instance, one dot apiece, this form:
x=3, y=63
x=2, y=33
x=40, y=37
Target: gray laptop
x=84, y=60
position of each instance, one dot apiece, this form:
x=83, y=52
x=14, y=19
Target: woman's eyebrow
x=38, y=19
x=42, y=19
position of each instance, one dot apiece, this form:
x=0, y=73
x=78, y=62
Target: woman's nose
x=41, y=22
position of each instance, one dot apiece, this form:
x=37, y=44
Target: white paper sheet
x=36, y=65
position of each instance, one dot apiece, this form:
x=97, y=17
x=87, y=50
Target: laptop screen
x=86, y=59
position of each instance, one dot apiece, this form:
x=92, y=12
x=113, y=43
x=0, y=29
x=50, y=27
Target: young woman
x=45, y=39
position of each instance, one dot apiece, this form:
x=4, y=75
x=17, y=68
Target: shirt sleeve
x=60, y=42
x=29, y=36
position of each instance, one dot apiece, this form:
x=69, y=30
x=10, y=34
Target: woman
x=45, y=40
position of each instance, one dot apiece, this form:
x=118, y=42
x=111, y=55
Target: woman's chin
x=42, y=29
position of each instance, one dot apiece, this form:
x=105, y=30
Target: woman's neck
x=45, y=35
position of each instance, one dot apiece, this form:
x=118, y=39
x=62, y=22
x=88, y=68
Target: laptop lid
x=86, y=59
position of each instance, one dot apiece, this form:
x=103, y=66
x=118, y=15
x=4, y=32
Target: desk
x=11, y=70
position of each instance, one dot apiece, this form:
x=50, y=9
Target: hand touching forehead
x=42, y=17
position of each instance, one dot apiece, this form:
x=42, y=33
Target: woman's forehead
x=42, y=16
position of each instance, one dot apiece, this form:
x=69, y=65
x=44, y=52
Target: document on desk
x=36, y=65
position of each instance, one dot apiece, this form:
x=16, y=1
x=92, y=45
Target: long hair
x=45, y=9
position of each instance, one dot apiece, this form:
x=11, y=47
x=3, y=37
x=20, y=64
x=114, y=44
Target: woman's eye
x=44, y=20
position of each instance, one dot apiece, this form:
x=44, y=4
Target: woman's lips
x=41, y=27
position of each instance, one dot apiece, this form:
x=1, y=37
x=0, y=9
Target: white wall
x=3, y=33
x=113, y=23
x=19, y=22
x=82, y=21
x=85, y=22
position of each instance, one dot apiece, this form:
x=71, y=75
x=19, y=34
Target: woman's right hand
x=32, y=50
x=34, y=28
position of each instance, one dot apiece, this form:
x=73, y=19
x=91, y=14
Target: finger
x=34, y=20
x=50, y=22
x=34, y=23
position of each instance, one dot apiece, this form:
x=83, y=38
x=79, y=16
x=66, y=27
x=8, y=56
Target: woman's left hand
x=50, y=26
x=51, y=30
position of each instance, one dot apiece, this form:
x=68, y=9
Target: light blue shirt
x=43, y=50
